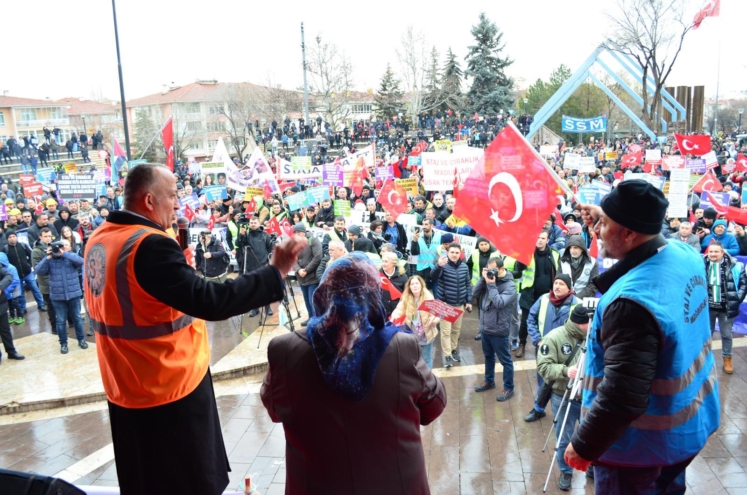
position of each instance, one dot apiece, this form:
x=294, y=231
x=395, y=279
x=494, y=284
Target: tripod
x=241, y=319
x=286, y=307
x=574, y=387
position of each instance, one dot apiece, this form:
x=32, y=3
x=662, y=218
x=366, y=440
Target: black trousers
x=523, y=331
x=6, y=335
x=173, y=448
x=51, y=313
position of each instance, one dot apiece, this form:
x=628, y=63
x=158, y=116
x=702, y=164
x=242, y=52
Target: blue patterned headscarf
x=351, y=333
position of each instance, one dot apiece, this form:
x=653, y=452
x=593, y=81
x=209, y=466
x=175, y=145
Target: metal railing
x=42, y=122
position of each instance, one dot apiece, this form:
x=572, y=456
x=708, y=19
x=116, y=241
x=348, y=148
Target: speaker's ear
x=19, y=483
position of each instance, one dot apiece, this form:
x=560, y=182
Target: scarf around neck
x=559, y=301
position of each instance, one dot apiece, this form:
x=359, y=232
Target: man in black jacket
x=455, y=289
x=338, y=233
x=19, y=255
x=5, y=334
x=257, y=246
x=306, y=269
x=42, y=220
x=356, y=241
x=211, y=258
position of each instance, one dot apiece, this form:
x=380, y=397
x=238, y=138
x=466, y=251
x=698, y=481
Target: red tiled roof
x=14, y=101
x=194, y=92
x=76, y=106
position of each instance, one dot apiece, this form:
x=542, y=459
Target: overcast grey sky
x=67, y=48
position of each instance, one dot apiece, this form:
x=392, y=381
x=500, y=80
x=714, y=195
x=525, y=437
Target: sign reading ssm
x=595, y=124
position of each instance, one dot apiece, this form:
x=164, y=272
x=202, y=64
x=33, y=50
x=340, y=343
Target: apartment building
x=27, y=117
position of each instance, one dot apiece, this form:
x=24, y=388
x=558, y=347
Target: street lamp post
x=526, y=126
x=739, y=122
x=84, y=124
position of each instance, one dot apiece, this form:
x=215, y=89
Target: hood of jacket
x=64, y=209
x=4, y=260
x=578, y=241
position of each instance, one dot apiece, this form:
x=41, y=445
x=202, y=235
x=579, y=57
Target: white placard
x=653, y=156
x=679, y=189
x=710, y=159
x=586, y=164
x=571, y=161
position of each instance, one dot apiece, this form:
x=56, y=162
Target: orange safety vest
x=149, y=353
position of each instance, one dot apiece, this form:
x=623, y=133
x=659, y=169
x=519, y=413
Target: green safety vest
x=234, y=232
x=542, y=314
x=527, y=277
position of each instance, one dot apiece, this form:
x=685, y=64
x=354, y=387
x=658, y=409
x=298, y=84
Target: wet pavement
x=478, y=446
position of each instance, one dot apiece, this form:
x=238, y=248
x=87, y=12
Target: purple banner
x=384, y=173
x=332, y=175
x=696, y=165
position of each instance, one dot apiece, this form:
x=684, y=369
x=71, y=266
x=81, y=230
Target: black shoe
x=63, y=349
x=564, y=482
x=505, y=395
x=269, y=311
x=15, y=355
x=534, y=415
x=90, y=333
x=83, y=344
x=43, y=309
x=448, y=363
x=478, y=336
x=455, y=356
x=304, y=323
x=485, y=386
x=590, y=472
x=253, y=312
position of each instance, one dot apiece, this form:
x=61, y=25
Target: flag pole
x=155, y=136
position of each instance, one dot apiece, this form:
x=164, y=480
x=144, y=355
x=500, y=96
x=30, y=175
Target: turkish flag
x=509, y=195
x=631, y=160
x=286, y=227
x=189, y=213
x=594, y=245
x=267, y=189
x=388, y=286
x=168, y=142
x=716, y=204
x=251, y=207
x=732, y=213
x=285, y=186
x=709, y=182
x=393, y=198
x=711, y=9
x=741, y=163
x=211, y=223
x=619, y=175
x=635, y=148
x=273, y=227
x=416, y=150
x=697, y=145
x=559, y=222
x=399, y=321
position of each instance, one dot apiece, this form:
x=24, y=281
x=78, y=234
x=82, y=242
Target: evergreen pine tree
x=451, y=84
x=492, y=90
x=145, y=129
x=388, y=98
x=432, y=97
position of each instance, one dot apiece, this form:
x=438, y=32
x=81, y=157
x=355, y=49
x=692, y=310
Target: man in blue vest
x=650, y=397
x=425, y=247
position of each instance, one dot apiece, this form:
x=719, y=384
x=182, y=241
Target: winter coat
x=398, y=279
x=727, y=240
x=19, y=256
x=401, y=237
x=405, y=395
x=34, y=232
x=217, y=264
x=497, y=302
x=363, y=244
x=257, y=246
x=692, y=240
x=556, y=238
x=555, y=317
x=70, y=222
x=736, y=285
x=333, y=235
x=64, y=280
x=555, y=350
x=431, y=332
x=325, y=216
x=587, y=269
x=309, y=260
x=37, y=254
x=9, y=292
x=454, y=283
x=6, y=280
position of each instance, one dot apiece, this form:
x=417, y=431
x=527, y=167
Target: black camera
x=57, y=246
x=491, y=273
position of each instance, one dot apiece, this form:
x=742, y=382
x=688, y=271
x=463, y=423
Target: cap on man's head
x=299, y=227
x=9, y=202
x=710, y=213
x=447, y=238
x=51, y=202
x=14, y=212
x=565, y=278
x=355, y=230
x=579, y=315
x=636, y=205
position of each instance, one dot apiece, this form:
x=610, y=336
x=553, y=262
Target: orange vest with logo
x=149, y=353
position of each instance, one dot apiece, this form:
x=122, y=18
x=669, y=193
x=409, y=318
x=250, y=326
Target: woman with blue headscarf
x=352, y=392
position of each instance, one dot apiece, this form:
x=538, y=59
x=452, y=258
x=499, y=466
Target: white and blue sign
x=589, y=195
x=317, y=194
x=46, y=175
x=595, y=124
x=214, y=193
x=296, y=201
x=722, y=198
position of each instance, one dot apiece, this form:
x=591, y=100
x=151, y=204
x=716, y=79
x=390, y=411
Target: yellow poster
x=70, y=168
x=443, y=145
x=611, y=155
x=252, y=192
x=410, y=185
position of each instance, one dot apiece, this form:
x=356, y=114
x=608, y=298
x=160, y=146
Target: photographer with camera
x=257, y=246
x=65, y=290
x=211, y=258
x=496, y=297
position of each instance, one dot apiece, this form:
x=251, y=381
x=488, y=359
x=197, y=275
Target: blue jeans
x=669, y=480
x=492, y=346
x=29, y=281
x=308, y=297
x=540, y=382
x=64, y=308
x=427, y=352
x=573, y=417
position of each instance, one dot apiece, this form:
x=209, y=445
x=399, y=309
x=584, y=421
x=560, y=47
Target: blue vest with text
x=428, y=254
x=683, y=405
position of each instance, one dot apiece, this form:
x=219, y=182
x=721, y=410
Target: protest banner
x=359, y=218
x=33, y=190
x=653, y=156
x=215, y=193
x=440, y=309
x=210, y=172
x=253, y=192
x=188, y=199
x=678, y=193
x=366, y=156
x=342, y=208
x=549, y=150
x=721, y=197
x=81, y=186
x=571, y=161
x=579, y=125
x=711, y=160
x=332, y=175
x=45, y=175
x=696, y=165
x=300, y=167
x=3, y=212
x=26, y=178
x=610, y=155
x=316, y=195
x=70, y=168
x=654, y=180
x=672, y=162
x=589, y=195
x=102, y=175
x=384, y=173
x=296, y=201
x=439, y=169
x=458, y=144
x=409, y=185
x=415, y=161
x=586, y=164
x=442, y=146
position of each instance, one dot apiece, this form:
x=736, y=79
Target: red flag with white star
x=189, y=213
x=709, y=182
x=696, y=144
x=167, y=133
x=741, y=163
x=393, y=198
x=631, y=160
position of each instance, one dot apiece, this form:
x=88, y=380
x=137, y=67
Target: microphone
x=183, y=232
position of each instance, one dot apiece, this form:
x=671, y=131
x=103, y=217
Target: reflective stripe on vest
x=428, y=254
x=234, y=232
x=583, y=279
x=149, y=353
x=683, y=407
x=476, y=273
x=527, y=276
x=542, y=313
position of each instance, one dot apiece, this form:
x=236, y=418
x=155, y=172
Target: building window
x=215, y=109
x=212, y=143
x=216, y=127
x=194, y=126
x=28, y=114
x=362, y=108
x=55, y=113
x=2, y=118
x=190, y=108
x=196, y=146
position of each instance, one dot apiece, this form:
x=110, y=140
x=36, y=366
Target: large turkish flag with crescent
x=697, y=145
x=167, y=134
x=393, y=198
x=631, y=160
x=709, y=182
x=509, y=195
x=741, y=163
